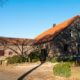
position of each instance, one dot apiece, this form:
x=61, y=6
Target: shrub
x=8, y=58
x=34, y=57
x=26, y=60
x=53, y=60
x=70, y=63
x=58, y=59
x=35, y=60
x=62, y=70
x=16, y=59
x=71, y=59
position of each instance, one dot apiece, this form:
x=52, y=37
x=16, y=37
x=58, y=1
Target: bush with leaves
x=34, y=57
x=16, y=59
x=62, y=70
x=53, y=60
x=35, y=60
x=71, y=59
x=58, y=59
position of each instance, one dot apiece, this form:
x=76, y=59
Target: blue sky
x=29, y=18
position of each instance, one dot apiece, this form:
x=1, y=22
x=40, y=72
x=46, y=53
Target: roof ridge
x=57, y=28
x=13, y=38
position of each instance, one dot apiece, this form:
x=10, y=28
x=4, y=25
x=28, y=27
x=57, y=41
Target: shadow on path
x=27, y=73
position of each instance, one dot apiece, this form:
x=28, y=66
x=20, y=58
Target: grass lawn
x=75, y=72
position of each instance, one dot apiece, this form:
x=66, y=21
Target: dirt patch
x=75, y=72
x=29, y=71
x=34, y=71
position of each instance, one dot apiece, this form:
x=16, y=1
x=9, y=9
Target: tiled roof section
x=5, y=40
x=50, y=34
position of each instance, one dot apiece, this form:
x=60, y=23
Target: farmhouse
x=60, y=40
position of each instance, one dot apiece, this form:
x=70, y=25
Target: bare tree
x=23, y=46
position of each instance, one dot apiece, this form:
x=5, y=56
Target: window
x=1, y=53
x=79, y=34
x=72, y=34
x=10, y=53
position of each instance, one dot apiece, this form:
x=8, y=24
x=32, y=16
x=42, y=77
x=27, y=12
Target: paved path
x=34, y=71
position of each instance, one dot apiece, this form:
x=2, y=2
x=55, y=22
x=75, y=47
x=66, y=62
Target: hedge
x=62, y=70
x=34, y=57
x=58, y=59
x=16, y=59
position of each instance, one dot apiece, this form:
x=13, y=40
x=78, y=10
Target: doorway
x=79, y=50
x=43, y=55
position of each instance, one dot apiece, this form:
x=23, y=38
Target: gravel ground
x=32, y=71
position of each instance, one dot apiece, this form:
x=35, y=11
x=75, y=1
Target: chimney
x=54, y=25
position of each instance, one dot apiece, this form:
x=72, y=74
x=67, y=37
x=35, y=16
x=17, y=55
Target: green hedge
x=58, y=59
x=35, y=60
x=71, y=59
x=62, y=70
x=53, y=60
x=16, y=59
x=34, y=57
